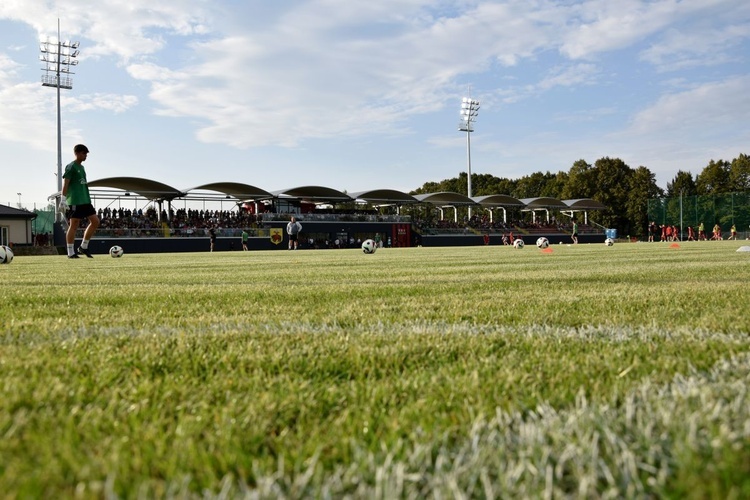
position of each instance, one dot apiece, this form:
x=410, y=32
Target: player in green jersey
x=75, y=196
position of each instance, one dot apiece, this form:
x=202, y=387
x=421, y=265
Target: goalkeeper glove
x=63, y=203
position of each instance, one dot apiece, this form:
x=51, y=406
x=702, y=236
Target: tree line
x=623, y=189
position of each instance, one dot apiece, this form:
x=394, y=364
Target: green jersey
x=78, y=188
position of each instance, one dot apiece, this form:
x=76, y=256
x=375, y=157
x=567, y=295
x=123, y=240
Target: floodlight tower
x=469, y=112
x=58, y=56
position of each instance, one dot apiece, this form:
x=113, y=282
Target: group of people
x=671, y=233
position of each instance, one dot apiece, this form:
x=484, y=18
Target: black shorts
x=81, y=211
x=293, y=237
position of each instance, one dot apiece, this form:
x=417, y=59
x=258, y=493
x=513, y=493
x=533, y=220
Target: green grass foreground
x=480, y=372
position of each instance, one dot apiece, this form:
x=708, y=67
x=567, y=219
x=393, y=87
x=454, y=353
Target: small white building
x=15, y=226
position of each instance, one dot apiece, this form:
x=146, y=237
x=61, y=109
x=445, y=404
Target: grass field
x=481, y=372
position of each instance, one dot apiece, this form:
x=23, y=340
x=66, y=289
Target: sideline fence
x=725, y=210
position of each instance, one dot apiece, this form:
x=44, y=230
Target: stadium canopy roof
x=384, y=197
x=235, y=190
x=542, y=203
x=315, y=194
x=497, y=200
x=584, y=204
x=444, y=198
x=151, y=190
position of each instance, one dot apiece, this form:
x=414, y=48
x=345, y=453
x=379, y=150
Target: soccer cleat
x=86, y=252
x=74, y=256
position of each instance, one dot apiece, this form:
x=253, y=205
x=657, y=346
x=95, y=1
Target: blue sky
x=356, y=94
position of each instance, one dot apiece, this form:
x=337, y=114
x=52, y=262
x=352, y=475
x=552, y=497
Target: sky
x=361, y=94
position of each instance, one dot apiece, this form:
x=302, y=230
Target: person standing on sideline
x=293, y=229
x=244, y=240
x=212, y=237
x=574, y=236
x=75, y=197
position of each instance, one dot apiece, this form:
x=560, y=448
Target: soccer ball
x=609, y=242
x=6, y=255
x=116, y=252
x=518, y=243
x=369, y=246
x=542, y=242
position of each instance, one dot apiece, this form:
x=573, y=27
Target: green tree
x=714, y=179
x=581, y=182
x=739, y=174
x=682, y=183
x=556, y=187
x=612, y=180
x=534, y=185
x=642, y=188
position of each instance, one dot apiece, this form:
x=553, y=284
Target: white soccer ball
x=609, y=242
x=518, y=243
x=6, y=255
x=369, y=246
x=116, y=252
x=542, y=242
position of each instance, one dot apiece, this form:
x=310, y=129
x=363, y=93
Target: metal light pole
x=19, y=200
x=681, y=191
x=58, y=56
x=469, y=112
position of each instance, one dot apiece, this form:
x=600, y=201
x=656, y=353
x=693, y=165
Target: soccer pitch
x=483, y=372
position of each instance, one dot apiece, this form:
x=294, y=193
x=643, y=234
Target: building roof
x=444, y=198
x=7, y=212
x=497, y=200
x=542, y=202
x=314, y=194
x=151, y=190
x=585, y=204
x=384, y=196
x=236, y=190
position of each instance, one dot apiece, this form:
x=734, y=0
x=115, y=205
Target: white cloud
x=704, y=107
x=297, y=73
x=300, y=78
x=679, y=49
x=126, y=29
x=108, y=102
